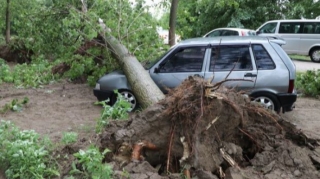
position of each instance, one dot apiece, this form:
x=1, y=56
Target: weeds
x=69, y=138
x=119, y=111
x=91, y=164
x=22, y=155
x=14, y=105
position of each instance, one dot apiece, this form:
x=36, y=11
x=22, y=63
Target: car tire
x=129, y=96
x=315, y=55
x=269, y=101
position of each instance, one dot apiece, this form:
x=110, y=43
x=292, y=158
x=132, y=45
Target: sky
x=156, y=12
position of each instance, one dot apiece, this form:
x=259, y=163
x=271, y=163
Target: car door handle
x=250, y=75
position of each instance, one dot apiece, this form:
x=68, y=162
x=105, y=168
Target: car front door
x=268, y=29
x=177, y=66
x=233, y=63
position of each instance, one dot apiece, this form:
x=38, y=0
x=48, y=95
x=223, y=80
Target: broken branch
x=228, y=158
x=212, y=122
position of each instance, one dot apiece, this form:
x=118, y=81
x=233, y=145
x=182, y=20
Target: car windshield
x=150, y=64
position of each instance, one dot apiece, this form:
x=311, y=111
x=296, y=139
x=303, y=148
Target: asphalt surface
x=306, y=65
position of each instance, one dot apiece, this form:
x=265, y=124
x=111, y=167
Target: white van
x=302, y=36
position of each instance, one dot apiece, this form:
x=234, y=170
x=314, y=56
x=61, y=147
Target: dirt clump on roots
x=202, y=130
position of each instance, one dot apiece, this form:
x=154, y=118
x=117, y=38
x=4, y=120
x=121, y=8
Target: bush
x=309, y=83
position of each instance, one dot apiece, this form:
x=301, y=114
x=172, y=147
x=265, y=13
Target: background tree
x=8, y=22
x=172, y=22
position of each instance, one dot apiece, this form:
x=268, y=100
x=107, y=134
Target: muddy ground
x=53, y=109
x=63, y=106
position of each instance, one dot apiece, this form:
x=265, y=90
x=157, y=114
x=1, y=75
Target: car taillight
x=291, y=86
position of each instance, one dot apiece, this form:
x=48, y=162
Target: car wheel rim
x=316, y=55
x=265, y=102
x=130, y=98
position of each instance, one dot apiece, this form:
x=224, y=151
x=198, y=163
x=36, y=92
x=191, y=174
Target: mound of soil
x=205, y=131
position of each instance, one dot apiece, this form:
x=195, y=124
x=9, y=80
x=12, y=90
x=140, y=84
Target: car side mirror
x=258, y=32
x=156, y=70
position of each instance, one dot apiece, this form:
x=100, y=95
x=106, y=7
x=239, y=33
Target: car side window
x=262, y=57
x=226, y=58
x=311, y=28
x=184, y=60
x=214, y=33
x=269, y=28
x=289, y=28
x=317, y=28
x=229, y=33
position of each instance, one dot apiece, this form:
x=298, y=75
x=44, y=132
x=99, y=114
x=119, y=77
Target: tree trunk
x=146, y=91
x=8, y=22
x=84, y=6
x=172, y=22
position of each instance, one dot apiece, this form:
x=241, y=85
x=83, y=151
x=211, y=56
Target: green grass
x=300, y=57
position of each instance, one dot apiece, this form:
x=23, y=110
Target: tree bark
x=8, y=22
x=172, y=22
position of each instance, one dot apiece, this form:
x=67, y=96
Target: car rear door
x=230, y=33
x=177, y=66
x=234, y=63
x=309, y=37
x=274, y=74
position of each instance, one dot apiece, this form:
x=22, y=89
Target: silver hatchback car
x=265, y=71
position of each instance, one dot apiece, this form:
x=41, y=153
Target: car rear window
x=262, y=57
x=284, y=56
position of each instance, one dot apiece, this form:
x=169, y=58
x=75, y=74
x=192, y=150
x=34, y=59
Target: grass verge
x=300, y=57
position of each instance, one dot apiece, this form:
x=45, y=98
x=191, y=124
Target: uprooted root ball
x=200, y=126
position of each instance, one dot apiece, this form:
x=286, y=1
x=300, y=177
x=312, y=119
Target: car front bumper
x=102, y=94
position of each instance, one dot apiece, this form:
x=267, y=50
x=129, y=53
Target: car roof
x=228, y=40
x=295, y=20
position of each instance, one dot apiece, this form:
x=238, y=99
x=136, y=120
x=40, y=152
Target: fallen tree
x=144, y=88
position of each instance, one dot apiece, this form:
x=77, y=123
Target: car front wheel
x=128, y=96
x=315, y=55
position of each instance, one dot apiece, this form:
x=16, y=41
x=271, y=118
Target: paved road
x=306, y=65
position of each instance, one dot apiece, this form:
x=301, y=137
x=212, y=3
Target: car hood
x=112, y=75
x=116, y=72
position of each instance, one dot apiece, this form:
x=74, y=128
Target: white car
x=230, y=32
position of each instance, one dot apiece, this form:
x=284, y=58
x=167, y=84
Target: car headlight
x=97, y=86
